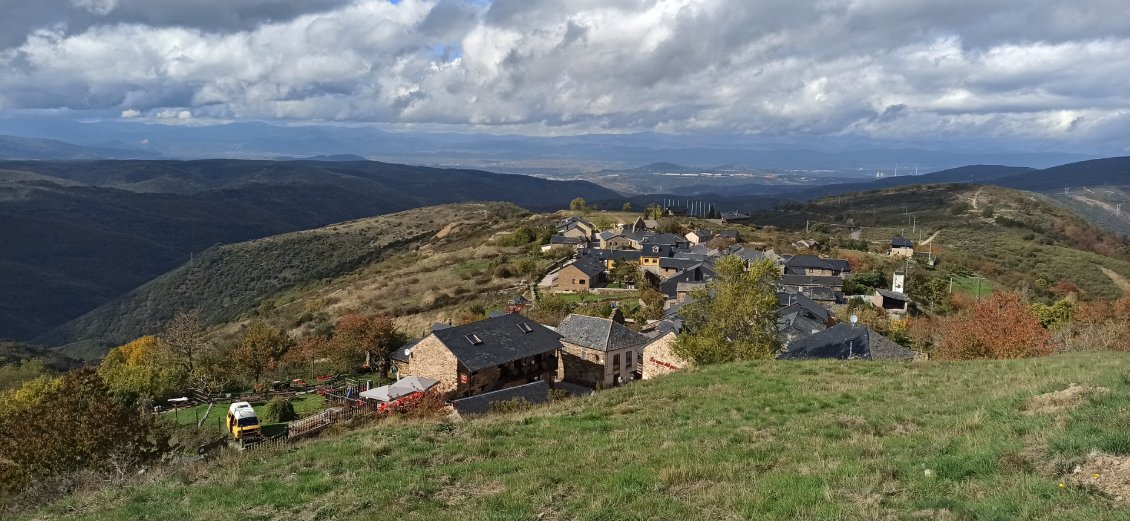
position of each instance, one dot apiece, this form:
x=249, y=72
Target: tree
x=578, y=205
x=142, y=370
x=184, y=338
x=735, y=317
x=358, y=338
x=625, y=272
x=627, y=207
x=1000, y=326
x=53, y=426
x=260, y=348
x=309, y=349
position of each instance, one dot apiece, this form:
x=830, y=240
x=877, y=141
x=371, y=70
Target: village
x=508, y=356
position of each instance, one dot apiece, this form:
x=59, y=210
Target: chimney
x=898, y=282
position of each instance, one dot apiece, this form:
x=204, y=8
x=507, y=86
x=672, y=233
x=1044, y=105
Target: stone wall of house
x=626, y=368
x=582, y=365
x=902, y=252
x=431, y=359
x=568, y=279
x=659, y=359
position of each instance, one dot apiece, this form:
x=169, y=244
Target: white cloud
x=1034, y=69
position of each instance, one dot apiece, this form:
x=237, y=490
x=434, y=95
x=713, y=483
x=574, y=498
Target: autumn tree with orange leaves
x=1000, y=326
x=361, y=339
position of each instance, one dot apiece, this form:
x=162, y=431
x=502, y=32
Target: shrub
x=518, y=404
x=1001, y=326
x=556, y=395
x=279, y=410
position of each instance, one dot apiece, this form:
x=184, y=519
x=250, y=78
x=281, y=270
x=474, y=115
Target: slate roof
x=678, y=264
x=749, y=254
x=601, y=334
x=631, y=255
x=729, y=234
x=519, y=301
x=400, y=388
x=732, y=216
x=840, y=265
x=702, y=234
x=831, y=281
x=808, y=261
x=502, y=340
x=822, y=294
x=535, y=393
x=843, y=340
x=787, y=299
x=401, y=353
x=893, y=295
x=588, y=265
x=901, y=242
x=664, y=239
x=658, y=250
x=561, y=239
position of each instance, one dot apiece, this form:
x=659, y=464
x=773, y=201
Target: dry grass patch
x=1066, y=399
x=1108, y=474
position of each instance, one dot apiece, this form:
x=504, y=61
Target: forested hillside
x=79, y=234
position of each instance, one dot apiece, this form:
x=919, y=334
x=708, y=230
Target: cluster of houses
x=510, y=356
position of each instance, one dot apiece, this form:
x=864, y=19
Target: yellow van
x=243, y=424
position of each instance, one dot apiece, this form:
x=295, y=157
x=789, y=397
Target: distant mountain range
x=77, y=234
x=12, y=147
x=514, y=153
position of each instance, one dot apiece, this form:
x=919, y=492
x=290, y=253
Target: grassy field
x=973, y=286
x=304, y=405
x=768, y=440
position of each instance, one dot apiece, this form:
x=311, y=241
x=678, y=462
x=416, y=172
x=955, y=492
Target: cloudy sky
x=1038, y=71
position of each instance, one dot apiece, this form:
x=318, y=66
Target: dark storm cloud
x=1033, y=69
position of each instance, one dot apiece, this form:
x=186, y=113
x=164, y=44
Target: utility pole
x=979, y=287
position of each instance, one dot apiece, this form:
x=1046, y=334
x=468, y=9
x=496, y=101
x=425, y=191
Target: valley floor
x=766, y=440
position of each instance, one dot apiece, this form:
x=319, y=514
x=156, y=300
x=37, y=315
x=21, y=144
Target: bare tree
x=184, y=338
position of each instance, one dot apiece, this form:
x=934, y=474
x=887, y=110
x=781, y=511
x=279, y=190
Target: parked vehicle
x=243, y=424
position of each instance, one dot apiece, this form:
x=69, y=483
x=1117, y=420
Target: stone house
x=901, y=247
x=598, y=352
x=812, y=265
x=615, y=241
x=696, y=237
x=659, y=358
x=895, y=301
x=583, y=274
x=488, y=355
x=576, y=227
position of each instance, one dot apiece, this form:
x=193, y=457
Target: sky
x=1040, y=72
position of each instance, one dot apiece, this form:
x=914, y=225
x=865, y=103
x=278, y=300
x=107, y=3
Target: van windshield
x=247, y=422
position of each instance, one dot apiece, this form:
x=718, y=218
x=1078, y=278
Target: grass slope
x=767, y=440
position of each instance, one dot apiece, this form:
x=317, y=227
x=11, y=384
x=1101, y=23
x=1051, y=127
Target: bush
x=279, y=410
x=1001, y=326
x=53, y=427
x=509, y=406
x=556, y=395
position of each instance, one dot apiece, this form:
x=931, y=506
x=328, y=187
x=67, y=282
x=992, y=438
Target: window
x=628, y=362
x=580, y=281
x=616, y=362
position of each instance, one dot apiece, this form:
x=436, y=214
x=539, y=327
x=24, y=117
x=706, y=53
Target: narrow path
x=976, y=195
x=1118, y=280
x=930, y=238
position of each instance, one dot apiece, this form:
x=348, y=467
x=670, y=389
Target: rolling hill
x=1021, y=240
x=1112, y=171
x=394, y=262
x=79, y=234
